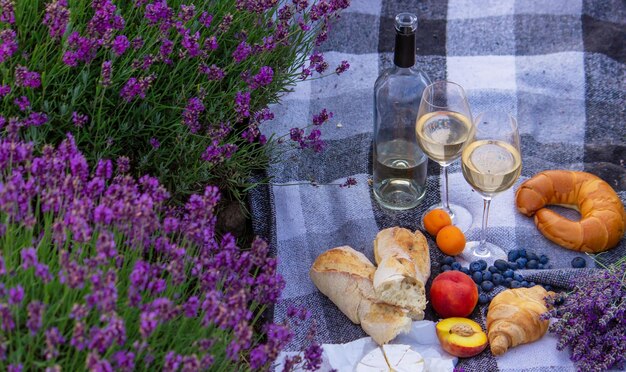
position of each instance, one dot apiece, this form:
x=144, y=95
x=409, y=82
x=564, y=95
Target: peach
x=453, y=294
x=461, y=337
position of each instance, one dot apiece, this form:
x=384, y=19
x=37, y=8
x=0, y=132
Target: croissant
x=602, y=217
x=513, y=318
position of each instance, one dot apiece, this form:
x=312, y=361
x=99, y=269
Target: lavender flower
x=120, y=44
x=212, y=72
x=79, y=119
x=190, y=43
x=7, y=15
x=591, y=321
x=205, y=19
x=186, y=12
x=242, y=104
x=54, y=338
x=15, y=367
x=8, y=44
x=4, y=90
x=191, y=114
x=16, y=295
x=36, y=119
x=155, y=143
x=242, y=52
x=105, y=77
x=26, y=78
x=56, y=18
x=22, y=103
x=343, y=67
x=136, y=87
x=264, y=77
x=322, y=117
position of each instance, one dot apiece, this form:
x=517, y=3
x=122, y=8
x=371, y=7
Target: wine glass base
x=461, y=217
x=490, y=254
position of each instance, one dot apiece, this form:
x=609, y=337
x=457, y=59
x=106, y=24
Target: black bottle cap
x=404, y=51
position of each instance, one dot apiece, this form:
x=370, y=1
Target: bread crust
x=603, y=219
x=345, y=275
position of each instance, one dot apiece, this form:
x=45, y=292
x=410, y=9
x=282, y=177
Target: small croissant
x=514, y=318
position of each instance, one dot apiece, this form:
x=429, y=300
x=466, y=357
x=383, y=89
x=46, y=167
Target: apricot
x=461, y=337
x=435, y=220
x=451, y=240
x=453, y=294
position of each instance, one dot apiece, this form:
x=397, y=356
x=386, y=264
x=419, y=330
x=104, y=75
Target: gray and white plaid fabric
x=558, y=66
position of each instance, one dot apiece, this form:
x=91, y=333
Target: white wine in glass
x=491, y=163
x=443, y=129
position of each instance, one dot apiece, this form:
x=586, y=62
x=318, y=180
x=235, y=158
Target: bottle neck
x=404, y=52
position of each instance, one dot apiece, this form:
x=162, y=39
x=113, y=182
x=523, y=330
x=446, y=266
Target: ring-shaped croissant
x=602, y=217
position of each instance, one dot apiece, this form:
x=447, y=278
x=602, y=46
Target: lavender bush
x=97, y=274
x=179, y=87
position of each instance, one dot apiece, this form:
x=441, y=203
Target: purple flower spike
x=16, y=295
x=8, y=44
x=7, y=15
x=120, y=44
x=242, y=52
x=57, y=17
x=26, y=78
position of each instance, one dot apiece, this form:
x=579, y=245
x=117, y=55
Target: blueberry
x=477, y=277
x=531, y=284
x=475, y=266
x=515, y=284
x=483, y=264
x=448, y=260
x=456, y=266
x=547, y=287
x=532, y=256
x=493, y=269
x=521, y=263
x=543, y=259
x=522, y=253
x=508, y=273
x=524, y=284
x=445, y=268
x=518, y=277
x=465, y=270
x=540, y=266
x=507, y=282
x=532, y=264
x=578, y=263
x=483, y=299
x=513, y=265
x=501, y=265
x=513, y=255
x=487, y=286
x=486, y=275
x=497, y=279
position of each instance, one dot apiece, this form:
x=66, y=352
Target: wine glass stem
x=444, y=191
x=482, y=249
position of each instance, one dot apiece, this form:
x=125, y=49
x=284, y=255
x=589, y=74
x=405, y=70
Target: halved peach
x=461, y=337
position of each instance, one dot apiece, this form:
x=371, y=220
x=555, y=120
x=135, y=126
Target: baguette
x=345, y=275
x=403, y=268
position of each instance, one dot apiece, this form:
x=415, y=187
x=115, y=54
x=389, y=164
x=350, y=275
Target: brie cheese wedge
x=402, y=359
x=374, y=361
x=392, y=358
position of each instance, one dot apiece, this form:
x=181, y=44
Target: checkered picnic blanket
x=558, y=66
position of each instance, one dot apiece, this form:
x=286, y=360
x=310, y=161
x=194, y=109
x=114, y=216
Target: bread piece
x=602, y=216
x=514, y=318
x=345, y=277
x=403, y=268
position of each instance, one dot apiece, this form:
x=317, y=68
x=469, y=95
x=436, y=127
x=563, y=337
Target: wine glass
x=443, y=128
x=491, y=163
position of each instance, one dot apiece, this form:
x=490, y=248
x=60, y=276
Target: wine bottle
x=399, y=164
